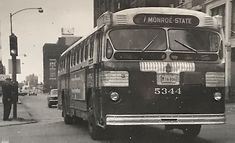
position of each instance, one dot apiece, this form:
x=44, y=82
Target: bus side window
x=91, y=48
x=82, y=53
x=77, y=55
x=71, y=59
x=67, y=61
x=86, y=50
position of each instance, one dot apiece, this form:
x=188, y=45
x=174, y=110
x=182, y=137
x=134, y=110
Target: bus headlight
x=217, y=96
x=114, y=96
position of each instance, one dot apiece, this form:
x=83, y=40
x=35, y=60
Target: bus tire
x=95, y=131
x=67, y=119
x=191, y=130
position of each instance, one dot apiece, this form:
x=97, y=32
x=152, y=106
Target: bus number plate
x=168, y=79
x=164, y=91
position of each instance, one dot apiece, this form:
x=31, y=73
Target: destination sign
x=166, y=20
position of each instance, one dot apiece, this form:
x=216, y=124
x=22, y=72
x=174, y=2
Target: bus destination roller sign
x=166, y=20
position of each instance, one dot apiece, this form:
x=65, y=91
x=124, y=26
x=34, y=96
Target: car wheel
x=49, y=105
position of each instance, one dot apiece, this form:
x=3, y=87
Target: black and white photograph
x=117, y=71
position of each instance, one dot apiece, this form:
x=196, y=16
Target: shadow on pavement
x=143, y=134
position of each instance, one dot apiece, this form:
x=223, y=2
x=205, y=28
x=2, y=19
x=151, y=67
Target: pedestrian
x=7, y=98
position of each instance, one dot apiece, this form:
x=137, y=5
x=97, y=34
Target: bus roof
x=162, y=10
x=82, y=39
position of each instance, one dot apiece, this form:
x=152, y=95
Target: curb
x=25, y=117
x=16, y=122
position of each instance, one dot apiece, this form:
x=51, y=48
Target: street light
x=14, y=54
x=40, y=10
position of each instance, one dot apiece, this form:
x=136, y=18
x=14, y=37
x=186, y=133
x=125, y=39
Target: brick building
x=51, y=54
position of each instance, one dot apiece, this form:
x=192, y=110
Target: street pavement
x=23, y=115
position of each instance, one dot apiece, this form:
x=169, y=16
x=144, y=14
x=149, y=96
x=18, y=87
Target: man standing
x=7, y=98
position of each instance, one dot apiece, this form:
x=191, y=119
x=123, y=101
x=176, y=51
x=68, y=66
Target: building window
x=233, y=19
x=220, y=10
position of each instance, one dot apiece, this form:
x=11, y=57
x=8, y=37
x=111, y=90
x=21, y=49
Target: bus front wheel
x=67, y=119
x=95, y=131
x=191, y=130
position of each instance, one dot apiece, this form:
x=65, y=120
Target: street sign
x=18, y=67
x=3, y=77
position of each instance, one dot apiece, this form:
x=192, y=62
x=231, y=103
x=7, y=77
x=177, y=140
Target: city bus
x=146, y=66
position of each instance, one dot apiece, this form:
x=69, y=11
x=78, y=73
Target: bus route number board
x=168, y=79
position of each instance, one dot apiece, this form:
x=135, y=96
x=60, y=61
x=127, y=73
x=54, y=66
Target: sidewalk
x=23, y=116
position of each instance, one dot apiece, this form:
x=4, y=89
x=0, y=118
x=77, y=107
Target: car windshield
x=193, y=40
x=139, y=39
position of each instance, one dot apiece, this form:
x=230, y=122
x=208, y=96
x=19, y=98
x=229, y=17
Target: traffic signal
x=13, y=45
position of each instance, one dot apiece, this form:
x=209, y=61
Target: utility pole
x=14, y=54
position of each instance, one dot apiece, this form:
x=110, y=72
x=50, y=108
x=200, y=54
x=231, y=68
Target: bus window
x=86, y=51
x=82, y=54
x=77, y=55
x=193, y=40
x=74, y=58
x=139, y=39
x=91, y=47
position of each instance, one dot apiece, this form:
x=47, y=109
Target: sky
x=34, y=29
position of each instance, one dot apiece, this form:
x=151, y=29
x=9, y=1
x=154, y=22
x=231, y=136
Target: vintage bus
x=146, y=66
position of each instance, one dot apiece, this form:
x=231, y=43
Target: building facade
x=51, y=54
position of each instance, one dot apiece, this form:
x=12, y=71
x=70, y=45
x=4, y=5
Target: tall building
x=51, y=54
x=101, y=6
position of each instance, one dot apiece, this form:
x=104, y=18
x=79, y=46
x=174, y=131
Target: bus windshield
x=193, y=40
x=139, y=39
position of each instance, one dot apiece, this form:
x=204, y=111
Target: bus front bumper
x=165, y=119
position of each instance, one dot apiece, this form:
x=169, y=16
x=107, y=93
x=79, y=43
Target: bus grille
x=167, y=67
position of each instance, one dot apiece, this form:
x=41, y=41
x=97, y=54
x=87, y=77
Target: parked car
x=52, y=98
x=32, y=92
x=22, y=93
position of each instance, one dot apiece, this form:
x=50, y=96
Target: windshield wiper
x=146, y=47
x=187, y=46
